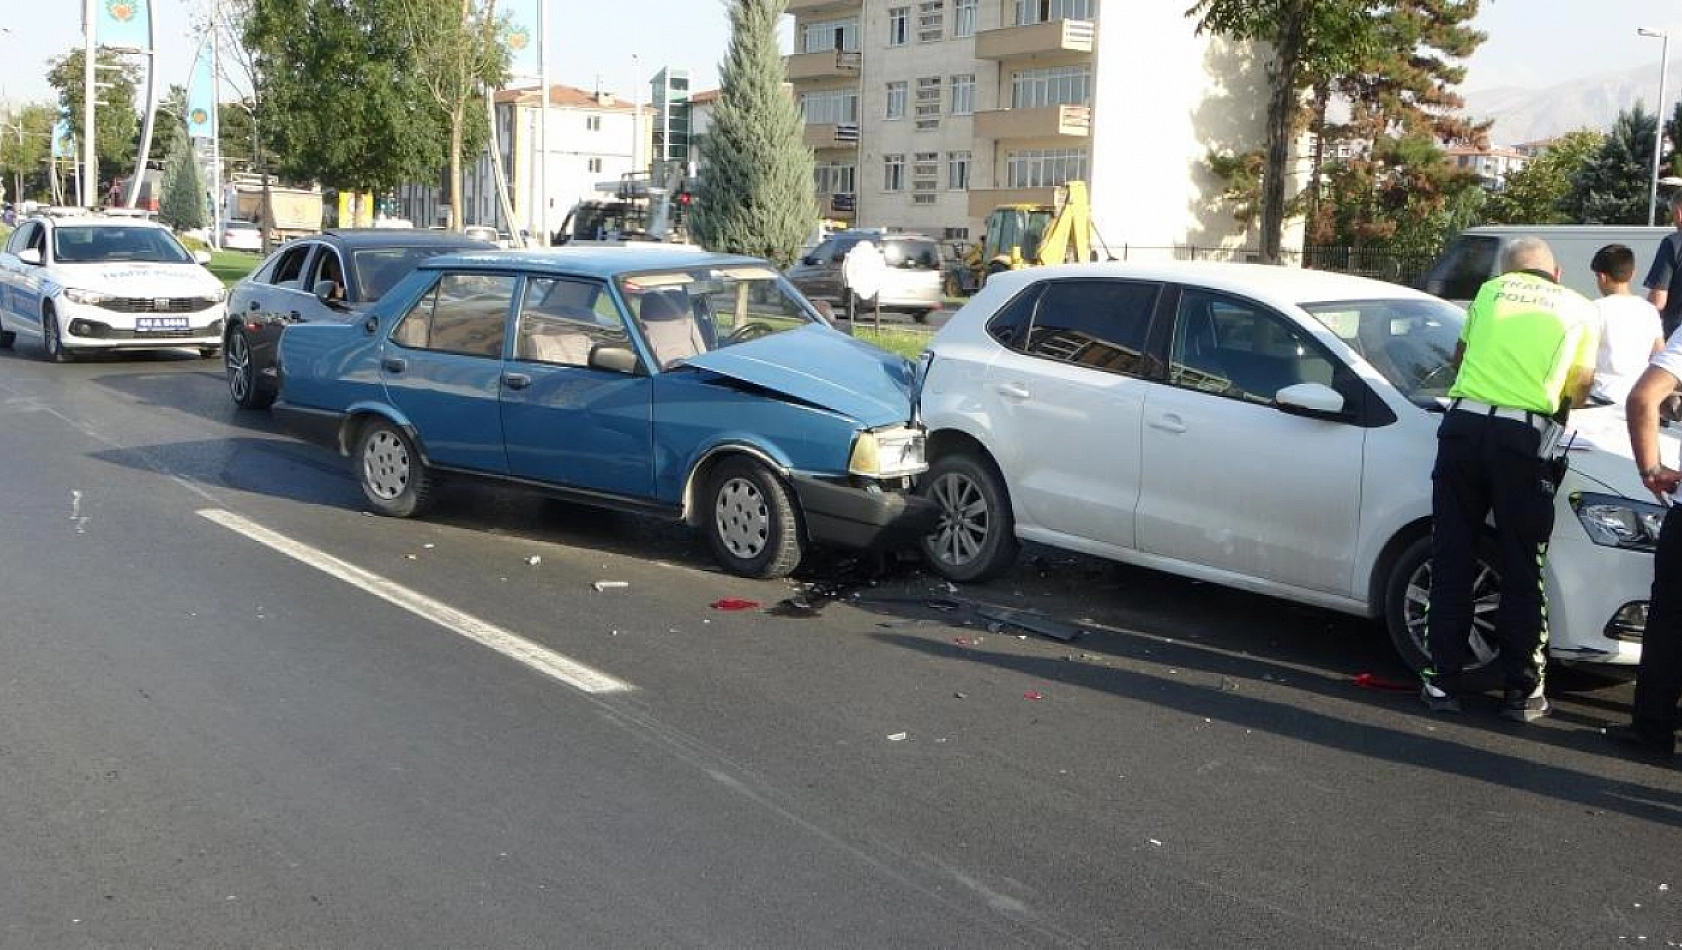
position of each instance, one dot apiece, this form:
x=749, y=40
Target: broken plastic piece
x=610, y=585
x=1031, y=622
x=534, y=560
x=1371, y=681
x=897, y=737
x=1033, y=694
x=735, y=603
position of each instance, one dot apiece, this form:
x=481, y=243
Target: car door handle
x=392, y=364
x=1168, y=422
x=1013, y=390
x=516, y=380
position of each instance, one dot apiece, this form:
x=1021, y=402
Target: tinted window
x=1010, y=325
x=463, y=313
x=378, y=269
x=327, y=266
x=559, y=322
x=1235, y=348
x=21, y=239
x=81, y=245
x=1098, y=323
x=289, y=269
x=1464, y=267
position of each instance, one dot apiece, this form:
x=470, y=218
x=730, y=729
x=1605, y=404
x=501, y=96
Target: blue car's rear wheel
x=750, y=520
x=389, y=468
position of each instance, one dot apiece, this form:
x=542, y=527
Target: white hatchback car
x=82, y=284
x=1266, y=428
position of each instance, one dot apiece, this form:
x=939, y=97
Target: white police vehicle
x=82, y=284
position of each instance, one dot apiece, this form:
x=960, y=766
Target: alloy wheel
x=964, y=519
x=1486, y=599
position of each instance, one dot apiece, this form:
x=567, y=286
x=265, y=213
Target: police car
x=74, y=285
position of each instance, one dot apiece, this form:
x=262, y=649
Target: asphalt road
x=237, y=711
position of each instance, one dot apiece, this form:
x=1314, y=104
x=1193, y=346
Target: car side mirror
x=30, y=255
x=324, y=290
x=808, y=260
x=1313, y=400
x=201, y=257
x=618, y=359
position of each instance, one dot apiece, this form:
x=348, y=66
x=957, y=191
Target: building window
x=963, y=18
x=1057, y=85
x=1029, y=12
x=834, y=178
x=595, y=166
x=896, y=100
x=1039, y=167
x=899, y=26
x=931, y=21
x=893, y=173
x=831, y=107
x=925, y=177
x=957, y=171
x=928, y=102
x=827, y=35
x=963, y=94
x=593, y=123
x=955, y=234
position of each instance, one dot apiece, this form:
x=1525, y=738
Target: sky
x=1531, y=43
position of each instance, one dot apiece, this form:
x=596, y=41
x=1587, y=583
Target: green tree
x=1310, y=39
x=1536, y=193
x=25, y=147
x=115, y=118
x=342, y=101
x=1612, y=186
x=757, y=195
x=182, y=203
x=459, y=47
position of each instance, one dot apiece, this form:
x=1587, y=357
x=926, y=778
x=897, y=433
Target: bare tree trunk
x=1281, y=107
x=1322, y=101
x=457, y=118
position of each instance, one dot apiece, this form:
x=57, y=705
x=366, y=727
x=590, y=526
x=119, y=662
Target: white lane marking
x=512, y=645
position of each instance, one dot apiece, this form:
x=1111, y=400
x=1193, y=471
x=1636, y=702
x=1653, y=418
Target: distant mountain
x=1525, y=115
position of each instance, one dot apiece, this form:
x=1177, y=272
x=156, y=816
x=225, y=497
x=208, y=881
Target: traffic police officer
x=1526, y=354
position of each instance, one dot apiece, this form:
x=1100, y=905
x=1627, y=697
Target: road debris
x=1033, y=694
x=610, y=585
x=1384, y=684
x=735, y=603
x=1032, y=622
x=534, y=560
x=956, y=695
x=898, y=737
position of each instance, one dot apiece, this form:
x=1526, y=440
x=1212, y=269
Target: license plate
x=159, y=324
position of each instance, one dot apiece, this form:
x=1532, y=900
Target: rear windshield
x=87, y=245
x=912, y=255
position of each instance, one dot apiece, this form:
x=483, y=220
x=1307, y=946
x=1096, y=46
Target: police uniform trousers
x=1658, y=682
x=1489, y=464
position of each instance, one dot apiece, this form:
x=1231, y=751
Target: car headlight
x=85, y=296
x=888, y=453
x=1616, y=522
x=218, y=295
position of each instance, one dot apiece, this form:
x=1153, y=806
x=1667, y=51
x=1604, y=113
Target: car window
x=559, y=324
x=1010, y=325
x=823, y=253
x=1235, y=348
x=462, y=313
x=378, y=269
x=1102, y=324
x=23, y=238
x=84, y=244
x=682, y=313
x=289, y=268
x=911, y=255
x=1409, y=341
x=1464, y=267
x=326, y=266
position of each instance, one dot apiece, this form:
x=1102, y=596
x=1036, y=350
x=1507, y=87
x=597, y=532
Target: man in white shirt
x=1630, y=332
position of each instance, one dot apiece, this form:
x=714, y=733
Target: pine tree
x=756, y=194
x=182, y=203
x=1612, y=187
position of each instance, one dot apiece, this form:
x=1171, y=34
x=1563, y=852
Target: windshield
x=686, y=312
x=1409, y=341
x=911, y=255
x=86, y=245
x=378, y=269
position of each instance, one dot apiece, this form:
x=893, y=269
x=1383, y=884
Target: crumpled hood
x=1602, y=452
x=134, y=279
x=824, y=367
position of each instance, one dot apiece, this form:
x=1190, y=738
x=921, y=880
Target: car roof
x=95, y=221
x=399, y=237
x=1271, y=283
x=602, y=262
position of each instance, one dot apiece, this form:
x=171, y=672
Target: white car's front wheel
x=52, y=338
x=976, y=537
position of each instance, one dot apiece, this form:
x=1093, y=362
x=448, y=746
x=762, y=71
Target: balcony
x=1055, y=38
x=820, y=135
x=1042, y=123
x=840, y=206
x=983, y=200
x=826, y=64
x=803, y=7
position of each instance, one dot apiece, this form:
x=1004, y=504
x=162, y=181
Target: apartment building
x=924, y=115
x=1491, y=165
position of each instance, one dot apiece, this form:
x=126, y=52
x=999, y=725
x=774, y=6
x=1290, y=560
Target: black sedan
x=332, y=276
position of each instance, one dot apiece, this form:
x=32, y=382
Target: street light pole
x=1658, y=132
x=90, y=164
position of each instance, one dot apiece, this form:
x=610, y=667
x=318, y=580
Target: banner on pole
x=201, y=95
x=124, y=23
x=519, y=34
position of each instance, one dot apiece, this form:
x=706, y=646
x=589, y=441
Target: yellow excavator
x=1028, y=235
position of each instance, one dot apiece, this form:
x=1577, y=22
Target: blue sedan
x=663, y=381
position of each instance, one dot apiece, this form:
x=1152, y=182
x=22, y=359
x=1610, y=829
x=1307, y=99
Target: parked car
x=678, y=383
x=241, y=236
x=1266, y=428
x=333, y=276
x=913, y=283
x=84, y=283
x=1475, y=255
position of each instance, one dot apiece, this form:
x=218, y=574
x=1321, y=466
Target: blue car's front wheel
x=750, y=521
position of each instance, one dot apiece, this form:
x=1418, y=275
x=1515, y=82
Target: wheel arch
x=358, y=418
x=1378, y=583
x=701, y=471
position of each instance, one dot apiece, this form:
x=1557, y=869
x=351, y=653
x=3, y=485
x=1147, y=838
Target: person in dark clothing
x=1664, y=278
